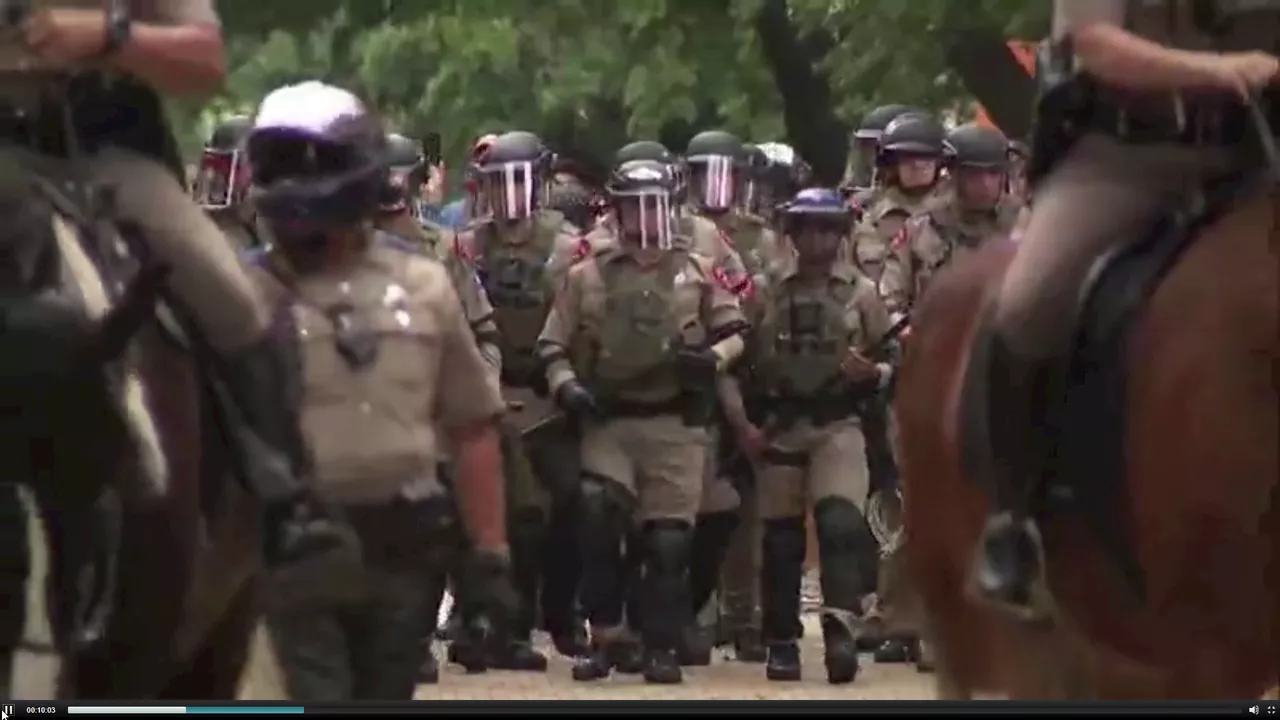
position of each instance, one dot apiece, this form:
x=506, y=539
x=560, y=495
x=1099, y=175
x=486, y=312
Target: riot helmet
x=407, y=173
x=717, y=165
x=643, y=150
x=979, y=160
x=911, y=148
x=476, y=206
x=782, y=176
x=642, y=193
x=864, y=141
x=513, y=174
x=223, y=177
x=319, y=161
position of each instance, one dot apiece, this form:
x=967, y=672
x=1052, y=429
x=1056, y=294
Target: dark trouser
x=369, y=649
x=15, y=567
x=606, y=518
x=556, y=465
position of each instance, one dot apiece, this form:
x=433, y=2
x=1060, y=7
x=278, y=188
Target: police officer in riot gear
x=222, y=182
x=859, y=175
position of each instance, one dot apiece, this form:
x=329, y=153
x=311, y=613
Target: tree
x=589, y=74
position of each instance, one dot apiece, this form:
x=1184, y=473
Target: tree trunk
x=812, y=126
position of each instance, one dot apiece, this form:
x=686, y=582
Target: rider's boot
x=305, y=546
x=1008, y=562
x=847, y=576
x=781, y=566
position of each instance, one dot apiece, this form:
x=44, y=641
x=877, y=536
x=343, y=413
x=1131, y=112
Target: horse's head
x=59, y=422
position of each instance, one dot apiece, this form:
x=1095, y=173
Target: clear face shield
x=714, y=182
x=512, y=191
x=217, y=179
x=646, y=217
x=861, y=166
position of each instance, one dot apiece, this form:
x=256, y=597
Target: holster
x=1063, y=107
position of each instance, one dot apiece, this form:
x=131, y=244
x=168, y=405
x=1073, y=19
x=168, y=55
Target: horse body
x=1200, y=486
x=187, y=585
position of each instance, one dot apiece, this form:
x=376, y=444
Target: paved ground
x=723, y=680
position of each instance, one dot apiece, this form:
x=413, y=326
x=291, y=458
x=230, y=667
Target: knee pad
x=841, y=527
x=785, y=538
x=605, y=499
x=667, y=545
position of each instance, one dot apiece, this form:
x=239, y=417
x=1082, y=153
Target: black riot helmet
x=977, y=146
x=877, y=119
x=643, y=150
x=574, y=201
x=717, y=170
x=913, y=134
x=784, y=174
x=407, y=173
x=642, y=193
x=222, y=178
x=319, y=161
x=513, y=173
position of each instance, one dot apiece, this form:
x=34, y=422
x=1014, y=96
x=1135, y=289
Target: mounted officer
x=69, y=68
x=1141, y=104
x=860, y=170
x=632, y=348
x=387, y=359
x=977, y=208
x=908, y=165
x=222, y=183
x=810, y=368
x=522, y=251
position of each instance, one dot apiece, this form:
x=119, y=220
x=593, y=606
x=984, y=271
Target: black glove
x=576, y=400
x=487, y=588
x=697, y=368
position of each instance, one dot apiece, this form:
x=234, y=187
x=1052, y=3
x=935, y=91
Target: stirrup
x=1039, y=604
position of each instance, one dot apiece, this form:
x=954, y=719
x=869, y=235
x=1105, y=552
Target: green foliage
x=589, y=74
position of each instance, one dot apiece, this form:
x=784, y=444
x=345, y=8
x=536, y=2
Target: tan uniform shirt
x=693, y=232
x=869, y=243
x=372, y=428
x=701, y=304
x=931, y=239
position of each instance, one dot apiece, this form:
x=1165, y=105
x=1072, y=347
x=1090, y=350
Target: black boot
x=307, y=548
x=782, y=565
x=668, y=544
x=711, y=538
x=1008, y=561
x=516, y=652
x=606, y=514
x=748, y=646
x=846, y=574
x=561, y=575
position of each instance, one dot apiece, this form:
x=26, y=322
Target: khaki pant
x=1103, y=194
x=660, y=460
x=831, y=461
x=205, y=271
x=718, y=494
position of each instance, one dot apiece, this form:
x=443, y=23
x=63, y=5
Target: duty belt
x=1173, y=119
x=616, y=408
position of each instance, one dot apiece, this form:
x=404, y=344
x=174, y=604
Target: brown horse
x=142, y=425
x=1196, y=486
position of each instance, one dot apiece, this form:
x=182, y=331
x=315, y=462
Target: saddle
x=1084, y=418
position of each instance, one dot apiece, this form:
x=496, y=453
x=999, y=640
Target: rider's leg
x=1102, y=195
x=235, y=319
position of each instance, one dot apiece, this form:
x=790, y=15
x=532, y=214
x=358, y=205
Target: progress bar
x=183, y=710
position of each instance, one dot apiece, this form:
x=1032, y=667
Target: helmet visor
x=646, y=216
x=217, y=179
x=511, y=189
x=714, y=181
